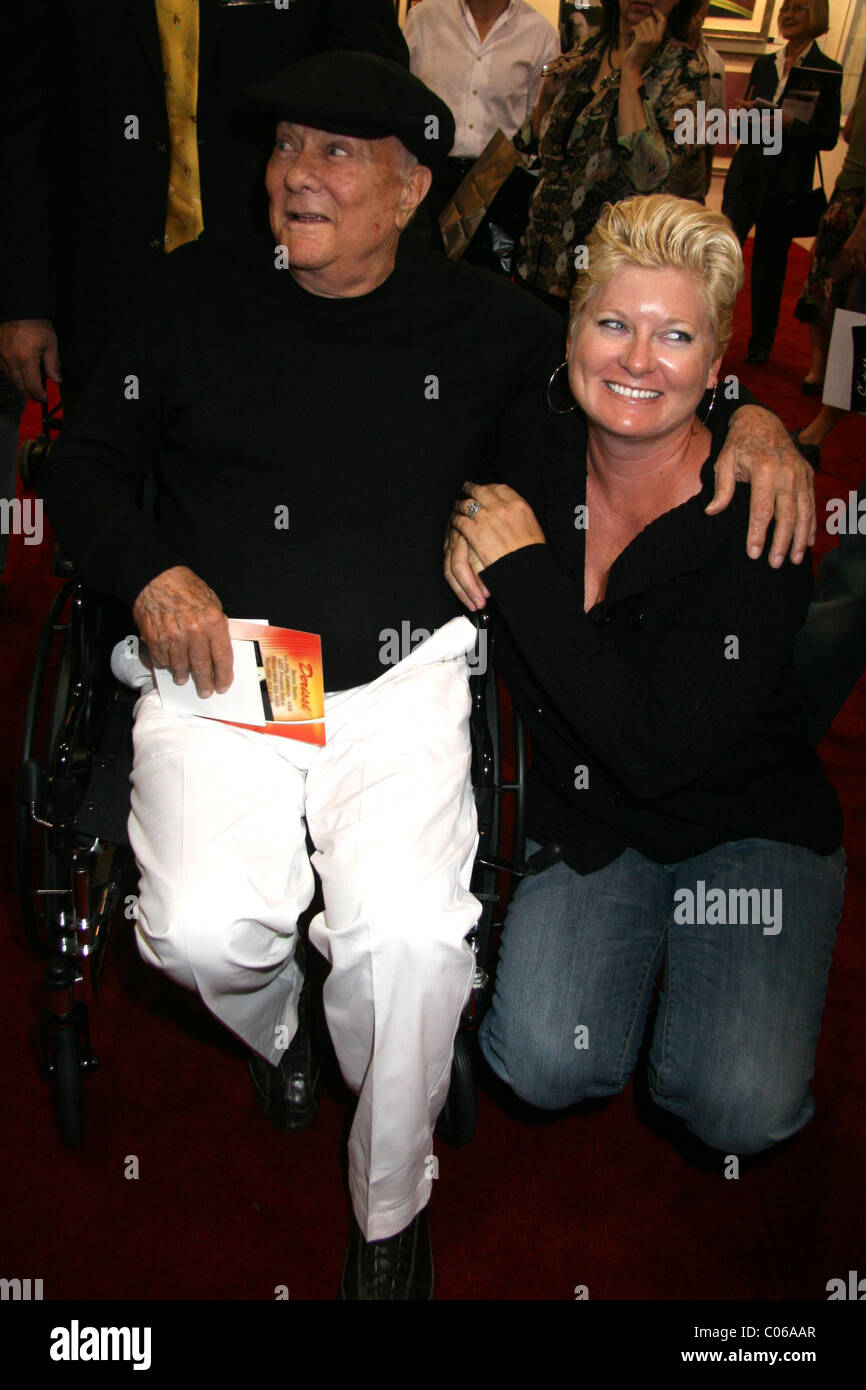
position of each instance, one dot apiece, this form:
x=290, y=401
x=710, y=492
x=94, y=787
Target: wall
x=549, y=8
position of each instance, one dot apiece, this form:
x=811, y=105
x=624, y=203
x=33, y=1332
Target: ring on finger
x=473, y=508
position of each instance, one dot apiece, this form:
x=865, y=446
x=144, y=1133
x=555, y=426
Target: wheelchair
x=73, y=861
x=75, y=867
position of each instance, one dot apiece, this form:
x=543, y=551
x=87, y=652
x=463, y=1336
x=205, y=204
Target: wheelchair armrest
x=542, y=859
x=536, y=863
x=481, y=622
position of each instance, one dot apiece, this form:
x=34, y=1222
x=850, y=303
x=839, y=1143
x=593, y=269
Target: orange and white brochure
x=278, y=685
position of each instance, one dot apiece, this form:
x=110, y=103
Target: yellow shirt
x=178, y=22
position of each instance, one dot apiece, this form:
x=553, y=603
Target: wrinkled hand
x=758, y=451
x=186, y=630
x=645, y=40
x=504, y=522
x=24, y=344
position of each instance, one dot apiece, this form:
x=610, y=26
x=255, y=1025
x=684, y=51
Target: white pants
x=217, y=826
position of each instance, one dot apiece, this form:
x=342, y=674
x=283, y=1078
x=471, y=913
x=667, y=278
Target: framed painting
x=739, y=19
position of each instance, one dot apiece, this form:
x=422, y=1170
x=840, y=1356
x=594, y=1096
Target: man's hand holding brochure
x=277, y=685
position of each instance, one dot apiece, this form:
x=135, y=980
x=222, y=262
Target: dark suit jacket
x=788, y=174
x=84, y=206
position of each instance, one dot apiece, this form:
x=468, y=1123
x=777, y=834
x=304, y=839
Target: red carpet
x=227, y=1208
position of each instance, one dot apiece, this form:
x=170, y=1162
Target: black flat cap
x=360, y=94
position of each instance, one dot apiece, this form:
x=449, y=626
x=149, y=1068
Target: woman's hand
x=645, y=40
x=502, y=522
x=461, y=571
x=564, y=65
x=556, y=75
x=760, y=104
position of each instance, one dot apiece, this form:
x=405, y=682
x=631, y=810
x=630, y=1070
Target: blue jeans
x=739, y=1014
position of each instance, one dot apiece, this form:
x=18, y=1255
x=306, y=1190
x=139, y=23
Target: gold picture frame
x=739, y=19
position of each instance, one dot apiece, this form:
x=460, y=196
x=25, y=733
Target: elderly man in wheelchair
x=304, y=407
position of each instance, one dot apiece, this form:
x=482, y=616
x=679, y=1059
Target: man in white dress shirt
x=484, y=59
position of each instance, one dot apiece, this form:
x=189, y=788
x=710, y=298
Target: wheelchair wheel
x=456, y=1124
x=63, y=1050
x=59, y=748
x=33, y=845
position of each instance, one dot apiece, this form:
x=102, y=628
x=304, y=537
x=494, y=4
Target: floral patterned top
x=584, y=164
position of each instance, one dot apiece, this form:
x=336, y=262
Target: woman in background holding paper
x=767, y=191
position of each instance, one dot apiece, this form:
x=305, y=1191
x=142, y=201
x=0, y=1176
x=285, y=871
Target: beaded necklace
x=614, y=74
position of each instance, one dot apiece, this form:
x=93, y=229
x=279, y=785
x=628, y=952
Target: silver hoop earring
x=553, y=407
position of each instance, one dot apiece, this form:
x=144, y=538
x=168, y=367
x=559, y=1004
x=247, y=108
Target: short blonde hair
x=658, y=232
x=819, y=17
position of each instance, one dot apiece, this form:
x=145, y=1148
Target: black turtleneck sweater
x=360, y=416
x=665, y=719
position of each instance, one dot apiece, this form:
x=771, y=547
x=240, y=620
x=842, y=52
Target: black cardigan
x=685, y=744
x=790, y=173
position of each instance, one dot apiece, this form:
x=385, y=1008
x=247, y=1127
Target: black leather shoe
x=399, y=1268
x=811, y=452
x=755, y=357
x=288, y=1093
